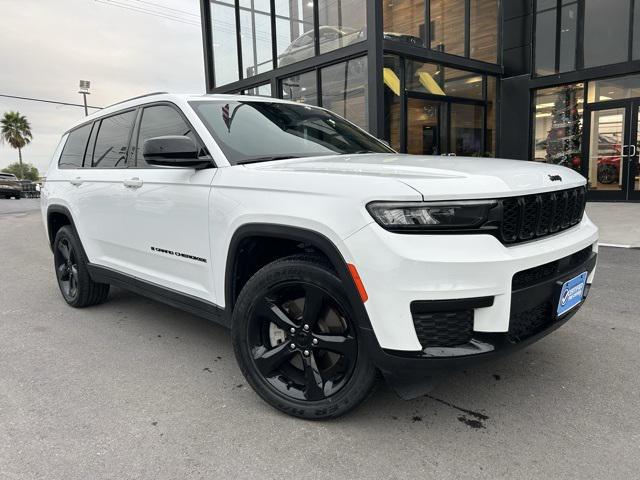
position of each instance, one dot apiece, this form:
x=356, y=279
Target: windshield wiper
x=266, y=159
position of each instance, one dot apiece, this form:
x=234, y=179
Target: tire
x=306, y=362
x=70, y=262
x=607, y=174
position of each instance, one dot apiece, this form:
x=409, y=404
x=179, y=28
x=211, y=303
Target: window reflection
x=484, y=30
x=449, y=111
x=466, y=132
x=568, y=33
x=404, y=20
x=614, y=88
x=225, y=47
x=344, y=90
x=294, y=30
x=437, y=80
x=252, y=131
x=301, y=88
x=447, y=26
x=260, y=90
x=606, y=32
x=342, y=23
x=545, y=42
x=255, y=36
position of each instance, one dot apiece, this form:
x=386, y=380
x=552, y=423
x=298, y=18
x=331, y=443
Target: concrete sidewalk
x=619, y=223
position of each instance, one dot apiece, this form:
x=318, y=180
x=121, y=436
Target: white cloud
x=47, y=46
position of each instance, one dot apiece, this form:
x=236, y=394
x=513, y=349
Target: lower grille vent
x=443, y=329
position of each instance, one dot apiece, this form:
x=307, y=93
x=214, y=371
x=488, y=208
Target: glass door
x=608, y=129
x=425, y=135
x=633, y=183
x=445, y=127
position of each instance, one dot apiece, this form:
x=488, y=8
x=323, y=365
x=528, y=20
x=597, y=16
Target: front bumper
x=510, y=304
x=4, y=191
x=413, y=373
x=398, y=269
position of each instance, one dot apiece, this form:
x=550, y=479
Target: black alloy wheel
x=302, y=342
x=70, y=263
x=297, y=342
x=66, y=264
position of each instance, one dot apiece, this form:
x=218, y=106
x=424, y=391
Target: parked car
x=608, y=170
x=9, y=186
x=29, y=189
x=329, y=256
x=331, y=38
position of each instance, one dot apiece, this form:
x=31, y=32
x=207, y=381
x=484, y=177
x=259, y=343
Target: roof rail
x=135, y=98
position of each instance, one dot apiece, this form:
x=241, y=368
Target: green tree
x=28, y=171
x=16, y=131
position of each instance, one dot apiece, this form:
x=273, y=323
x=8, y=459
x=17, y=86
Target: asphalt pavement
x=136, y=389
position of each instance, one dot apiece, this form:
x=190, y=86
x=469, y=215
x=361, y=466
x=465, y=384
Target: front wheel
x=296, y=340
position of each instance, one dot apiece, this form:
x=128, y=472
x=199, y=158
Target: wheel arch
x=297, y=235
x=57, y=217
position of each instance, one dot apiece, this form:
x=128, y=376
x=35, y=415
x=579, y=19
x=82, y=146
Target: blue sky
x=47, y=46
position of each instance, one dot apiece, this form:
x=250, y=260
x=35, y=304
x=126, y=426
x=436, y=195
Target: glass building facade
x=554, y=81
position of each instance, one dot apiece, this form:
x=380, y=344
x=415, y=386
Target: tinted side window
x=157, y=121
x=110, y=150
x=73, y=151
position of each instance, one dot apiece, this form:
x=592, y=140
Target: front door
x=167, y=215
x=611, y=150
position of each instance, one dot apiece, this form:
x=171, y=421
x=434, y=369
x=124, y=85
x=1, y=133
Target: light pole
x=84, y=91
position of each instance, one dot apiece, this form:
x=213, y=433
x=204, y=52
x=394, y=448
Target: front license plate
x=572, y=293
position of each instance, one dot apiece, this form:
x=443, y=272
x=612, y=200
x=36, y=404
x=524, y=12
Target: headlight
x=431, y=215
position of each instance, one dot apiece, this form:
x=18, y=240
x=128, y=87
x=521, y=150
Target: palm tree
x=16, y=131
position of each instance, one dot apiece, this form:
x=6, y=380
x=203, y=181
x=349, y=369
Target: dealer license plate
x=572, y=293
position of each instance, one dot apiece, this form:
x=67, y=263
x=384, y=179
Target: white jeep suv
x=330, y=256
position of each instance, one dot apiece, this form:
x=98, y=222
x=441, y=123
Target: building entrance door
x=611, y=150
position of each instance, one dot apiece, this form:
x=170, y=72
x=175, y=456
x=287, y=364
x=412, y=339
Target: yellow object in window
x=429, y=84
x=391, y=80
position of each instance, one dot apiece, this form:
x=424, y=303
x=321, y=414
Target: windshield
x=254, y=131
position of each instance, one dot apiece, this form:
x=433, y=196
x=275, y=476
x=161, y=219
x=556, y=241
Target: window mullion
x=631, y=21
x=316, y=27
x=580, y=37
x=467, y=28
x=238, y=38
x=274, y=42
x=558, y=33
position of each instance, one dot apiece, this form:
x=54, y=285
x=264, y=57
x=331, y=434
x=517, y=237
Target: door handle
x=134, y=182
x=76, y=181
x=633, y=146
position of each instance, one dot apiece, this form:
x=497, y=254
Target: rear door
x=99, y=199
x=166, y=215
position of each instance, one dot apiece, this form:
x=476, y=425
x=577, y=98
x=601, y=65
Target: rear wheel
x=76, y=285
x=296, y=340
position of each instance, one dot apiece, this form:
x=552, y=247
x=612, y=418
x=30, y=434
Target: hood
x=441, y=177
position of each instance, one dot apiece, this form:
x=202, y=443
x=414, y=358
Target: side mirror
x=173, y=151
